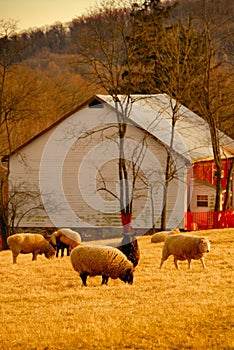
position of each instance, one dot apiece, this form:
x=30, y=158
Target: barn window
x=202, y=200
x=95, y=104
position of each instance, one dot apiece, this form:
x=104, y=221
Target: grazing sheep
x=185, y=247
x=129, y=246
x=64, y=238
x=101, y=260
x=26, y=243
x=161, y=236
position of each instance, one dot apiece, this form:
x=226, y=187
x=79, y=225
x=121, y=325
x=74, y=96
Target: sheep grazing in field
x=64, y=238
x=129, y=247
x=185, y=247
x=161, y=236
x=101, y=260
x=26, y=243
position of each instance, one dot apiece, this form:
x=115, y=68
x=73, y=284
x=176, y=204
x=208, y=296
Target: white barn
x=70, y=170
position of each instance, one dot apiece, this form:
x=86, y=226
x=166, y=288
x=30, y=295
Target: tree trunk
x=3, y=231
x=218, y=162
x=152, y=209
x=165, y=193
x=218, y=189
x=227, y=204
x=126, y=222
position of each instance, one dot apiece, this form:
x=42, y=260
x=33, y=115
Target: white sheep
x=185, y=247
x=64, y=238
x=158, y=237
x=26, y=243
x=101, y=260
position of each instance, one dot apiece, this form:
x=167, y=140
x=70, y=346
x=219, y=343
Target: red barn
x=202, y=182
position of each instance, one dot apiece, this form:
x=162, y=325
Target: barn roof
x=153, y=114
x=192, y=136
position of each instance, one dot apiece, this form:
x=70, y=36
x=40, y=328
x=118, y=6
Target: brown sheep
x=26, y=243
x=185, y=247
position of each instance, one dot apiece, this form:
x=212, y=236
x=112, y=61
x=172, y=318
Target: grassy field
x=43, y=306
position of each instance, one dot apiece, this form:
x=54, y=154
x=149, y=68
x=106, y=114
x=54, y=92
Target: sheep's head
x=50, y=253
x=204, y=245
x=128, y=276
x=175, y=230
x=52, y=240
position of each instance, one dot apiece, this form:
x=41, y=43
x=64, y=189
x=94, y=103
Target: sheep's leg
x=14, y=255
x=165, y=256
x=176, y=264
x=203, y=262
x=189, y=263
x=68, y=251
x=83, y=276
x=34, y=256
x=161, y=264
x=105, y=279
x=57, y=252
x=58, y=246
x=62, y=252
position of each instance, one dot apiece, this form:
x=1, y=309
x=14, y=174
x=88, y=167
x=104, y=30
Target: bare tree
x=6, y=60
x=211, y=94
x=118, y=60
x=105, y=58
x=15, y=91
x=171, y=61
x=21, y=201
x=178, y=60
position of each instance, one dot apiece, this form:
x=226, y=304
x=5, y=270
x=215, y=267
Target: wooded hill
x=42, y=77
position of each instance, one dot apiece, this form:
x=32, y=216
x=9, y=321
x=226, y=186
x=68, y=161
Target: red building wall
x=205, y=171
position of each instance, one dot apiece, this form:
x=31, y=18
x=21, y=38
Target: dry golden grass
x=43, y=305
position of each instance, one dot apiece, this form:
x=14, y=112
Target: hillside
x=48, y=78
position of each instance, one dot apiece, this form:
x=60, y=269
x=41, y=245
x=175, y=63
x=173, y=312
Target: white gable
x=64, y=166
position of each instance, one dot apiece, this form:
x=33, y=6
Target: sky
x=38, y=13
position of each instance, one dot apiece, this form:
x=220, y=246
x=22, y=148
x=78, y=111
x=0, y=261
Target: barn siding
x=57, y=158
